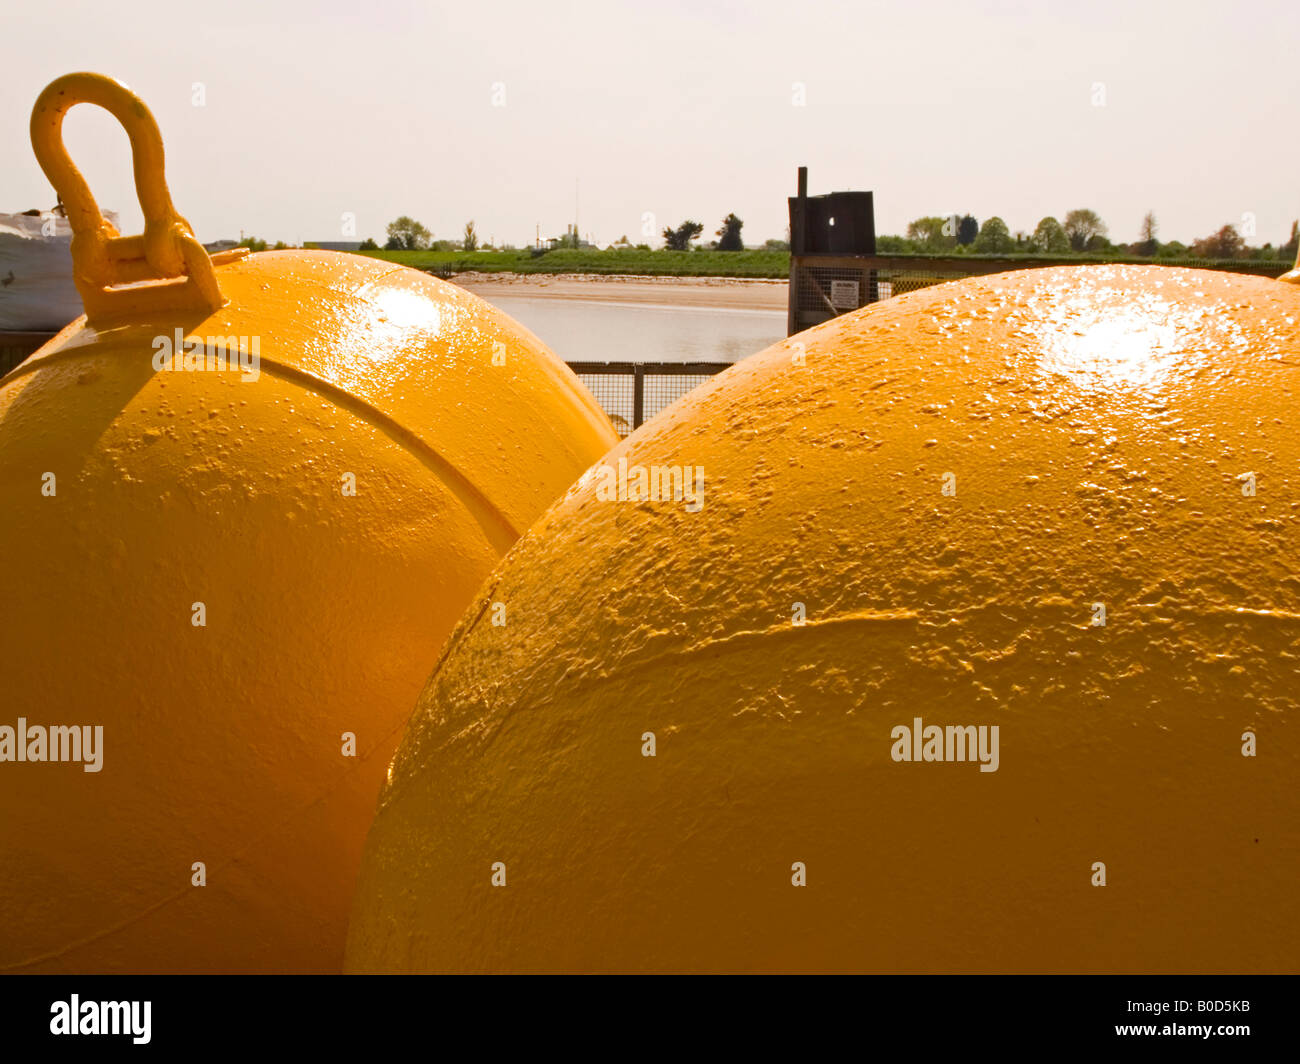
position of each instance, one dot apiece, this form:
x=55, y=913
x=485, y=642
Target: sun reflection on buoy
x=1101, y=343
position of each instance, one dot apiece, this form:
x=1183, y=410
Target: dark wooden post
x=797, y=231
x=638, y=395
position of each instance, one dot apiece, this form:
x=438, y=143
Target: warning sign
x=844, y=295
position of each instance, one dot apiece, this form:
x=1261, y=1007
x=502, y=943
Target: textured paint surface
x=1101, y=423
x=325, y=612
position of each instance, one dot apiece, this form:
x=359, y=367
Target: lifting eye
x=165, y=267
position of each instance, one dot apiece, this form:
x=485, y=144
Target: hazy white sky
x=681, y=108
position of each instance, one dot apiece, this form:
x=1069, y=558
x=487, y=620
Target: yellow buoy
x=958, y=634
x=242, y=503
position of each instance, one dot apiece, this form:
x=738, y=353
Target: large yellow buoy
x=959, y=634
x=241, y=507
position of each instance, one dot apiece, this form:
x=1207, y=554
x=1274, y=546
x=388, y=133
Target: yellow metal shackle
x=1294, y=275
x=167, y=253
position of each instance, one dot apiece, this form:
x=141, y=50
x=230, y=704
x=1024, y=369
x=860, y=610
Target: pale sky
x=679, y=108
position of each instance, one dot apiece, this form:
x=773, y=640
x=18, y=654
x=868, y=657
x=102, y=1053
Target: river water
x=591, y=331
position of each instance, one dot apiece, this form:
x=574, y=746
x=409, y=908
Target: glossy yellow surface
x=325, y=611
x=1101, y=424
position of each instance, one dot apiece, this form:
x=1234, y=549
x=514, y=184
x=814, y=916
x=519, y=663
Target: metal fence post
x=638, y=395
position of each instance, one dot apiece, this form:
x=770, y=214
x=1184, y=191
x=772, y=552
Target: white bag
x=37, y=293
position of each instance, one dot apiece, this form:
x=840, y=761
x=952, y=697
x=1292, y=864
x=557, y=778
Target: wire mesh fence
x=16, y=346
x=633, y=392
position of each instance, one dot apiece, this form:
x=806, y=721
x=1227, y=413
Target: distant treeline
x=632, y=260
x=1082, y=232
x=1082, y=235
x=700, y=262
